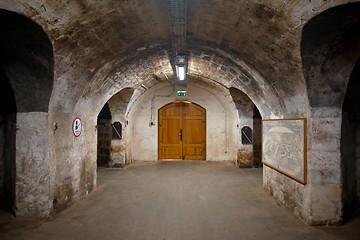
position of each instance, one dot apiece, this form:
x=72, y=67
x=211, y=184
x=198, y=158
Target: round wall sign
x=77, y=127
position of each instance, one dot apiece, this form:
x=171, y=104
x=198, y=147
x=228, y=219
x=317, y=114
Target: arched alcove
x=26, y=75
x=249, y=127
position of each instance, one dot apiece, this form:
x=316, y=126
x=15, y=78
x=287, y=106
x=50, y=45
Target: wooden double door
x=182, y=132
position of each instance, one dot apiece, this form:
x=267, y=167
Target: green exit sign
x=181, y=93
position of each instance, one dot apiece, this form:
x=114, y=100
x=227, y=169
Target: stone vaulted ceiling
x=102, y=46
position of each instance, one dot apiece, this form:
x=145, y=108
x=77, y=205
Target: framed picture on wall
x=284, y=147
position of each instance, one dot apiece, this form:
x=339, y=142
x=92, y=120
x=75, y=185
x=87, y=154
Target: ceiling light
x=181, y=73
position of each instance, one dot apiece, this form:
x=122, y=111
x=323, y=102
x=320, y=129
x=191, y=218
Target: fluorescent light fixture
x=181, y=73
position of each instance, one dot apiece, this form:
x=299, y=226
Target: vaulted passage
x=91, y=87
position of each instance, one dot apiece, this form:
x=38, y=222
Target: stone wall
x=33, y=165
x=286, y=191
x=73, y=173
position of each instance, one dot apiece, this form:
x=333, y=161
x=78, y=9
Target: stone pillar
x=75, y=158
x=324, y=188
x=33, y=165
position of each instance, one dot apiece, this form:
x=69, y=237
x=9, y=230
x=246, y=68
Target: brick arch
x=146, y=69
x=206, y=64
x=225, y=69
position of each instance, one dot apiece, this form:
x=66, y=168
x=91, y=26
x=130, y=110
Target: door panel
x=170, y=121
x=194, y=132
x=182, y=132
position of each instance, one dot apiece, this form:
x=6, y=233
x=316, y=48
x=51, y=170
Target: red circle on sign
x=77, y=127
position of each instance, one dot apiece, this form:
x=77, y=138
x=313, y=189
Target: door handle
x=180, y=134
